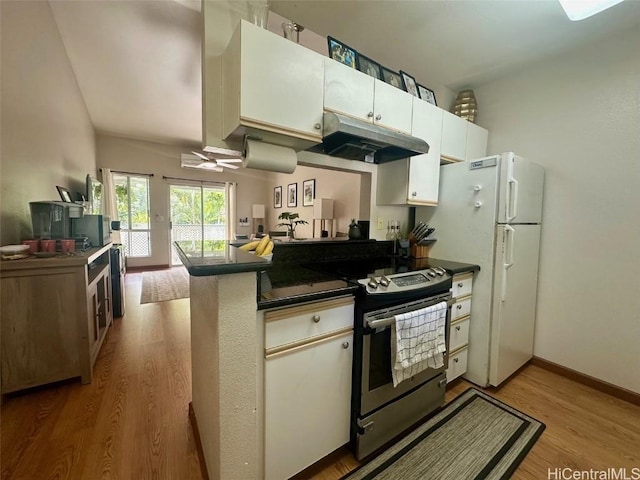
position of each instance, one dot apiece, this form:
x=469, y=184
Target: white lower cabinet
x=307, y=387
x=460, y=320
x=457, y=364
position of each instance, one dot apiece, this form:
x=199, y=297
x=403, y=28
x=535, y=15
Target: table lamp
x=258, y=213
x=323, y=211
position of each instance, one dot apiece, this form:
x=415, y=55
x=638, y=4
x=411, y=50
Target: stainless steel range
x=381, y=411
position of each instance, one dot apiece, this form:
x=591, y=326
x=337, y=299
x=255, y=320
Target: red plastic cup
x=68, y=245
x=48, y=245
x=34, y=245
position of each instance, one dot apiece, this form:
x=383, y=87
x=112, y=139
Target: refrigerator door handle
x=512, y=192
x=509, y=239
x=512, y=199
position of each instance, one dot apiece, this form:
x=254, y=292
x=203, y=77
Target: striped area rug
x=163, y=285
x=474, y=436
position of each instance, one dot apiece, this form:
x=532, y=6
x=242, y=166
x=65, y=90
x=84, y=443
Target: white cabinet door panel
x=392, y=107
x=308, y=403
x=282, y=82
x=454, y=136
x=348, y=91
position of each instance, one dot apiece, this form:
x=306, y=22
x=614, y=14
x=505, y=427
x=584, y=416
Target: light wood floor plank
x=132, y=421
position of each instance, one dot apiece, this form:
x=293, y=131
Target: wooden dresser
x=54, y=316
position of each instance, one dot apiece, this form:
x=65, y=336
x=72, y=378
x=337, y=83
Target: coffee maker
x=53, y=219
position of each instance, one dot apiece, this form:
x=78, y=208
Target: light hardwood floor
x=132, y=423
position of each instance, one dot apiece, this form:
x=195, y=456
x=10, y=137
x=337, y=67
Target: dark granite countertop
x=453, y=268
x=202, y=261
x=287, y=284
x=287, y=280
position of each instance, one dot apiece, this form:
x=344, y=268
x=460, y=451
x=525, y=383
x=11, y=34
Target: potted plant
x=292, y=221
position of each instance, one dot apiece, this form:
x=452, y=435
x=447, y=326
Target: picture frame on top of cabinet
x=292, y=195
x=427, y=94
x=342, y=53
x=308, y=192
x=392, y=78
x=409, y=84
x=368, y=66
x=277, y=197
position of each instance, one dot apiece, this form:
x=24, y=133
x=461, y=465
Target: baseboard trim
x=148, y=268
x=196, y=437
x=602, y=386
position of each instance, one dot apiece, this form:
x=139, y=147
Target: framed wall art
x=308, y=192
x=65, y=194
x=277, y=197
x=292, y=195
x=409, y=84
x=392, y=78
x=427, y=94
x=368, y=66
x=342, y=53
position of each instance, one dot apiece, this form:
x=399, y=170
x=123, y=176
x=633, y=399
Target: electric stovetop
x=359, y=269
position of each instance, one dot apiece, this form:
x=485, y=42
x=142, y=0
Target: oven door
x=377, y=387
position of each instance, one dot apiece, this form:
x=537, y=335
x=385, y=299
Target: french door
x=198, y=215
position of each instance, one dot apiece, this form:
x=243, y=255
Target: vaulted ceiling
x=138, y=62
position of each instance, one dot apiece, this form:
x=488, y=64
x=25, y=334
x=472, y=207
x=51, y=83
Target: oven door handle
x=386, y=322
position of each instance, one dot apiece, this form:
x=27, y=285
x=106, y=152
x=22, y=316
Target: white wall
x=342, y=187
x=47, y=136
x=367, y=201
x=579, y=116
x=138, y=156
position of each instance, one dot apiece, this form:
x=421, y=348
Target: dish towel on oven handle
x=418, y=341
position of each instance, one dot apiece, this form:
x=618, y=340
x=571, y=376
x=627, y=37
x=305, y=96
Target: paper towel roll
x=266, y=156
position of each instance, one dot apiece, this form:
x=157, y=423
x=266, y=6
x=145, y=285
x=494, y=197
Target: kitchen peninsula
x=227, y=338
x=253, y=335
x=224, y=359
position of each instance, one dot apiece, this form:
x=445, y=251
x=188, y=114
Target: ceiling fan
x=204, y=162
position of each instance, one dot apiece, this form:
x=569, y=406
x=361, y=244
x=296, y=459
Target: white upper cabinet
x=476, y=146
x=462, y=140
x=425, y=169
x=356, y=94
x=347, y=91
x=271, y=84
x=415, y=180
x=392, y=107
x=454, y=137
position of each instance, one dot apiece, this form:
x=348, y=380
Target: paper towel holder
x=268, y=156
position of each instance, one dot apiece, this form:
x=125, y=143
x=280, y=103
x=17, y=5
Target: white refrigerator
x=489, y=213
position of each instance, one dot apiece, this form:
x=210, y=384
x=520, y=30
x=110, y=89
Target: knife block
x=420, y=251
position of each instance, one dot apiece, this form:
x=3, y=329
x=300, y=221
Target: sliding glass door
x=198, y=214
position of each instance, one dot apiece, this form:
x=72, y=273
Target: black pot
x=354, y=231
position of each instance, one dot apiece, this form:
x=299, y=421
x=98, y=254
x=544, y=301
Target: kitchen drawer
x=295, y=324
x=462, y=285
x=459, y=334
x=457, y=364
x=460, y=308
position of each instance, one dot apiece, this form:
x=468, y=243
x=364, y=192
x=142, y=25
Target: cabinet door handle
x=378, y=117
x=316, y=318
x=345, y=345
x=456, y=360
x=370, y=114
x=317, y=126
x=413, y=194
x=457, y=328
x=460, y=285
x=459, y=307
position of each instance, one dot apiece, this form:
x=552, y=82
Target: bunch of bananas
x=262, y=247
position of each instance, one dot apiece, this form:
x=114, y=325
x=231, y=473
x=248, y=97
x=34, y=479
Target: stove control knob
x=373, y=283
x=439, y=271
x=431, y=272
x=384, y=281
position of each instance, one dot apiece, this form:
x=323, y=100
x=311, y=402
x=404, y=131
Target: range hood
x=354, y=139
